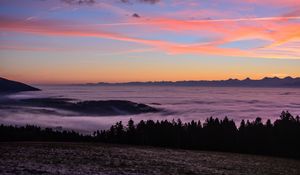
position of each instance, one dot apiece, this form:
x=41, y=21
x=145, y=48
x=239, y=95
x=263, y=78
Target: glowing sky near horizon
x=77, y=41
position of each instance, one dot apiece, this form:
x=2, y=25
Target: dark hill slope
x=8, y=86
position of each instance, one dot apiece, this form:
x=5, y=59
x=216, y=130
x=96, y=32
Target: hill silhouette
x=265, y=82
x=97, y=108
x=9, y=86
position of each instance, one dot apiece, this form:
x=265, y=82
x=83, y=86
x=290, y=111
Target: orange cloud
x=278, y=30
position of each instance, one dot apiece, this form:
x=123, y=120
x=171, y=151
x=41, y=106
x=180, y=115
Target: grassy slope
x=88, y=158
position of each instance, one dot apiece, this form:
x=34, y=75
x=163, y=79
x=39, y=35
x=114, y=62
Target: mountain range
x=265, y=82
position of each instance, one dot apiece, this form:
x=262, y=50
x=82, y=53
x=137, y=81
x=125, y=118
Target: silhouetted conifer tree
x=281, y=138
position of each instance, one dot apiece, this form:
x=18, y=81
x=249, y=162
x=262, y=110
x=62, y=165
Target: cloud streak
x=79, y=2
x=62, y=28
x=141, y=1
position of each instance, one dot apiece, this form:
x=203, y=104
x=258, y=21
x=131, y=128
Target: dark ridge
x=280, y=138
x=9, y=86
x=35, y=133
x=98, y=108
x=265, y=82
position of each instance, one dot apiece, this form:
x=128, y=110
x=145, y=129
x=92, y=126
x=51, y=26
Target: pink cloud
x=274, y=2
x=230, y=30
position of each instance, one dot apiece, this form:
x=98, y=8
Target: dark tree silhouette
x=34, y=133
x=281, y=138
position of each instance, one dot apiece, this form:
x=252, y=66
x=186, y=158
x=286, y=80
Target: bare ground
x=104, y=159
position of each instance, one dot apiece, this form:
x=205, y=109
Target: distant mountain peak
x=288, y=78
x=232, y=79
x=277, y=78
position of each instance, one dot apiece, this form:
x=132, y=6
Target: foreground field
x=88, y=158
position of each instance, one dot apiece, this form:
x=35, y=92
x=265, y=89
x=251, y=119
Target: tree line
x=35, y=133
x=280, y=138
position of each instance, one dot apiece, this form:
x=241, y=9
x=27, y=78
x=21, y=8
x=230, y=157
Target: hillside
x=90, y=158
x=8, y=86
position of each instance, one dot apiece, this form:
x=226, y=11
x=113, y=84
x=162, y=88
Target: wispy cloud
x=141, y=1
x=62, y=28
x=281, y=31
x=79, y=2
x=89, y=2
x=135, y=15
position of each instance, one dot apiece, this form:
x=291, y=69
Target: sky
x=80, y=41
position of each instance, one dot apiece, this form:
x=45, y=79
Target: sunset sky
x=78, y=41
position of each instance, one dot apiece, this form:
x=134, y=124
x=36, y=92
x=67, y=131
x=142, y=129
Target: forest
x=278, y=138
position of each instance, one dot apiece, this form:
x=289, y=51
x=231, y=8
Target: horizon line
x=162, y=81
